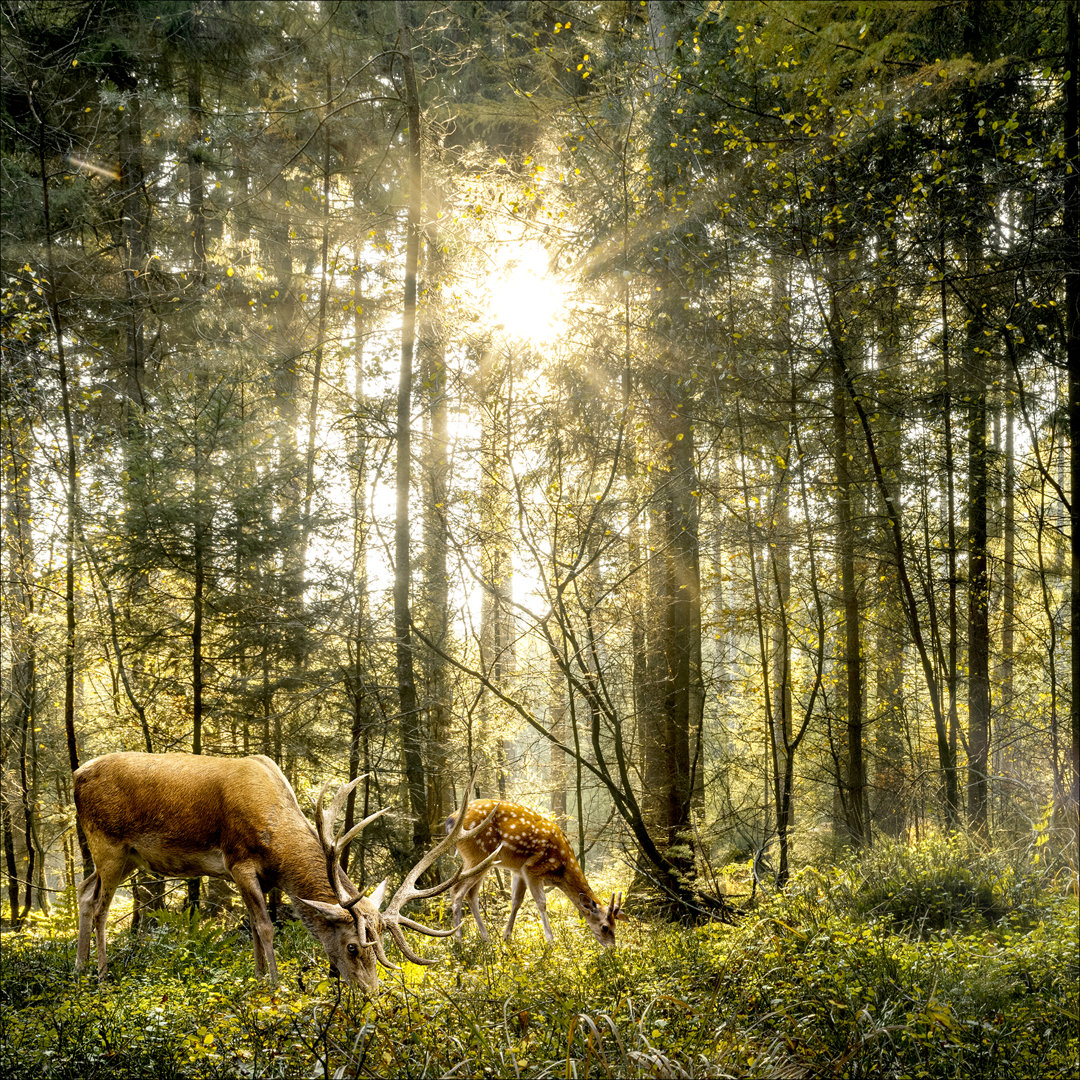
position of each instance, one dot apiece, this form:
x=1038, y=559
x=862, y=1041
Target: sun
x=521, y=296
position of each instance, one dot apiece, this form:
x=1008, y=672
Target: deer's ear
x=620, y=915
x=333, y=912
x=588, y=903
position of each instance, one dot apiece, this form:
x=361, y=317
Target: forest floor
x=935, y=962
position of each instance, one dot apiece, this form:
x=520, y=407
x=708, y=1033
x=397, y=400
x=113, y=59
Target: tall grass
x=930, y=962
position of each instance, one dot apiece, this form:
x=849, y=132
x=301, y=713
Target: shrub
x=944, y=883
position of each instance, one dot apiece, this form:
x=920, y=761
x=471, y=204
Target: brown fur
x=538, y=855
x=183, y=815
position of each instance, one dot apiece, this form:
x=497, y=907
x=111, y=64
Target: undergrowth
x=900, y=964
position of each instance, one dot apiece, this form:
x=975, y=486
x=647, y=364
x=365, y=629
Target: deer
x=186, y=815
x=536, y=852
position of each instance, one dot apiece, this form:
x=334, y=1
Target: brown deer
x=184, y=815
x=538, y=856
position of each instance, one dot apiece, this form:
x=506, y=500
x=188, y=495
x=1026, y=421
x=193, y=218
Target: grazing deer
x=184, y=815
x=536, y=853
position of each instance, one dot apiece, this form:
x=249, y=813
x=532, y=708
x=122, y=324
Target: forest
x=664, y=412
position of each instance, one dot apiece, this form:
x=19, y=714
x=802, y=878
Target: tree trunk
x=21, y=692
x=780, y=565
x=1072, y=353
x=203, y=511
x=436, y=611
x=496, y=564
x=853, y=784
x=71, y=488
x=556, y=755
x=889, y=750
x=409, y=712
x=947, y=740
x=1005, y=663
x=320, y=340
x=978, y=532
x=674, y=654
x=10, y=861
x=357, y=678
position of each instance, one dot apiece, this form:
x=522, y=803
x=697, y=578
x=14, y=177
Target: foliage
x=815, y=981
x=946, y=883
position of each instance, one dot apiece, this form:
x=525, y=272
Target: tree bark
x=436, y=475
x=1072, y=349
x=853, y=784
x=71, y=478
x=674, y=652
x=947, y=739
x=357, y=677
x=409, y=712
x=977, y=526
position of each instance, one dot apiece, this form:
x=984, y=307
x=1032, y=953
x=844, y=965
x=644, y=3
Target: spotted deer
x=538, y=856
x=184, y=815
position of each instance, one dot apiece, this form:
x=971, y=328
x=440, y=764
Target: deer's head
x=601, y=921
x=351, y=930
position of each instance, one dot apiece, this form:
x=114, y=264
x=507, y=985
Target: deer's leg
x=95, y=896
x=461, y=892
x=472, y=894
x=457, y=903
x=262, y=928
x=86, y=890
x=517, y=894
x=536, y=887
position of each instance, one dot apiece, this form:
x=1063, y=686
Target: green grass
x=826, y=980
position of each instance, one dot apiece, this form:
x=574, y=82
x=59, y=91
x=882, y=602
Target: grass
x=830, y=979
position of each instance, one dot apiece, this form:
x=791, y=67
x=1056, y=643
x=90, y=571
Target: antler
x=333, y=846
x=392, y=918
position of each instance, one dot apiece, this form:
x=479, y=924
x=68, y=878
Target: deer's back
x=525, y=835
x=167, y=805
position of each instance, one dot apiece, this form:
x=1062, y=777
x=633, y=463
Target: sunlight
x=521, y=296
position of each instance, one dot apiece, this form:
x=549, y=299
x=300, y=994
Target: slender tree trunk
x=1003, y=674
x=320, y=341
x=411, y=720
x=135, y=225
x=20, y=696
x=196, y=194
x=136, y=245
x=781, y=698
x=496, y=566
x=854, y=781
x=557, y=756
x=198, y=602
x=71, y=487
x=436, y=471
x=203, y=511
x=889, y=814
x=1072, y=350
x=947, y=748
x=27, y=741
x=286, y=351
x=10, y=861
x=358, y=678
x=978, y=531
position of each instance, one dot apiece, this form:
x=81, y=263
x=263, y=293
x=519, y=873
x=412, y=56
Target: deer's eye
x=354, y=949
